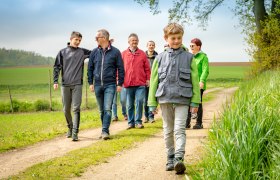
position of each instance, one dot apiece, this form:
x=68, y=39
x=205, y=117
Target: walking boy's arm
x=152, y=100
x=195, y=100
x=57, y=67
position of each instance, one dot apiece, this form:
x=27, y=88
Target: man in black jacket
x=70, y=62
x=105, y=76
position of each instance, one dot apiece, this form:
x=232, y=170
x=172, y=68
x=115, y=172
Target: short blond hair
x=173, y=28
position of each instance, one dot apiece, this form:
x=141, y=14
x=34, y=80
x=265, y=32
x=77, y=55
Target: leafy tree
x=11, y=57
x=260, y=20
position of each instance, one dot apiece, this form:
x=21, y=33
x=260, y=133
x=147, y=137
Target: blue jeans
x=148, y=114
x=104, y=96
x=135, y=95
x=123, y=103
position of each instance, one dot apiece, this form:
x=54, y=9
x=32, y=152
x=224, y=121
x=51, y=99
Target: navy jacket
x=105, y=67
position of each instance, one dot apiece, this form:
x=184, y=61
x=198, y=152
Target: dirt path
x=147, y=163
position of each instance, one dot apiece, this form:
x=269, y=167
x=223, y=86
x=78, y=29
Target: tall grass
x=245, y=143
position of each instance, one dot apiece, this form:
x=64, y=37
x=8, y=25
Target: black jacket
x=70, y=61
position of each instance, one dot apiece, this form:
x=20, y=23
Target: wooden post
x=50, y=89
x=11, y=101
x=86, y=96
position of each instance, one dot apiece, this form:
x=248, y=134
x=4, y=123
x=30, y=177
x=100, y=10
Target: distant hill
x=11, y=57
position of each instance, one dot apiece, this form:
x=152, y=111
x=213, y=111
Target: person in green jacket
x=174, y=85
x=201, y=61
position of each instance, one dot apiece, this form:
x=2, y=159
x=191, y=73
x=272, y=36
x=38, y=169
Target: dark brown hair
x=196, y=41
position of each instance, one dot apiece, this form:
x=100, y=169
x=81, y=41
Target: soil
x=146, y=161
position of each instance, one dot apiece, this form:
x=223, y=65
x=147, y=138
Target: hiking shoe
x=170, y=163
x=115, y=119
x=139, y=126
x=146, y=120
x=151, y=120
x=69, y=133
x=179, y=165
x=130, y=127
x=198, y=126
x=188, y=126
x=125, y=117
x=105, y=136
x=74, y=136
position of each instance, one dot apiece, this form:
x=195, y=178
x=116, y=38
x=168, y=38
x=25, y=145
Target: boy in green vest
x=174, y=85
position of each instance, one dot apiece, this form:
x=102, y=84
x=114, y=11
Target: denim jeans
x=148, y=114
x=135, y=97
x=104, y=96
x=72, y=96
x=174, y=123
x=123, y=103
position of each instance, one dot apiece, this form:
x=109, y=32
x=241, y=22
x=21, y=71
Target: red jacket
x=137, y=68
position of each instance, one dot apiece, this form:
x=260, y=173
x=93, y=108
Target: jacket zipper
x=102, y=64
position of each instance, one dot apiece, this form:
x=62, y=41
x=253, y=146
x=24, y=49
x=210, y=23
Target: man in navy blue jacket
x=105, y=76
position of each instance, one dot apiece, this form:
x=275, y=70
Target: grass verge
x=245, y=143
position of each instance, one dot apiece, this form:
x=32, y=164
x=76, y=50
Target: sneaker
x=146, y=120
x=69, y=133
x=151, y=120
x=74, y=136
x=105, y=136
x=179, y=165
x=130, y=127
x=125, y=117
x=139, y=126
x=115, y=119
x=188, y=126
x=170, y=163
x=198, y=126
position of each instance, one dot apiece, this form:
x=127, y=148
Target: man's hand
x=91, y=88
x=148, y=83
x=193, y=109
x=55, y=86
x=201, y=85
x=119, y=88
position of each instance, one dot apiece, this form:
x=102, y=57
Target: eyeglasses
x=96, y=38
x=192, y=46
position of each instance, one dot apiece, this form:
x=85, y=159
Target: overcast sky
x=44, y=26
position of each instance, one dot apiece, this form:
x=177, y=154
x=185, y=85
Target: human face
x=194, y=48
x=75, y=41
x=151, y=46
x=174, y=40
x=99, y=38
x=133, y=42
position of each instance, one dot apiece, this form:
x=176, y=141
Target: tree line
x=12, y=57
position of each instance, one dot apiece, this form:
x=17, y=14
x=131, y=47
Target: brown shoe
x=146, y=120
x=139, y=126
x=125, y=117
x=130, y=127
x=115, y=119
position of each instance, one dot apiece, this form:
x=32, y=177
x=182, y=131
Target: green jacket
x=154, y=81
x=201, y=61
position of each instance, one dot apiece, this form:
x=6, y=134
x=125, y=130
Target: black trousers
x=199, y=113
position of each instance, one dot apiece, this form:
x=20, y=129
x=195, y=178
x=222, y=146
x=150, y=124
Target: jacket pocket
x=184, y=79
x=162, y=74
x=186, y=92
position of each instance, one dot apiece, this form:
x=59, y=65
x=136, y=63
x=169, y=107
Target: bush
x=41, y=105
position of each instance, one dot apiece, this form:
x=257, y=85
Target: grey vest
x=174, y=72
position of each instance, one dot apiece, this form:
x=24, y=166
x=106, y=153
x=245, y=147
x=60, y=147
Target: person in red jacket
x=137, y=77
